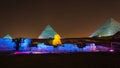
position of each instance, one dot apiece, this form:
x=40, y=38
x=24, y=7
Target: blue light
x=41, y=47
x=70, y=48
x=45, y=48
x=6, y=44
x=90, y=47
x=25, y=43
x=50, y=49
x=60, y=48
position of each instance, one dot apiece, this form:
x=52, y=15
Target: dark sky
x=69, y=18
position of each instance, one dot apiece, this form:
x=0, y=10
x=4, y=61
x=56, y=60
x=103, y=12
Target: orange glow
x=56, y=40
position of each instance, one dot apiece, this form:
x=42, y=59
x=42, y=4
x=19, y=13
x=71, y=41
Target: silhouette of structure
x=108, y=29
x=7, y=36
x=48, y=32
x=17, y=42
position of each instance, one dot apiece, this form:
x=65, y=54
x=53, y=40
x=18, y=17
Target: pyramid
x=7, y=36
x=48, y=32
x=108, y=29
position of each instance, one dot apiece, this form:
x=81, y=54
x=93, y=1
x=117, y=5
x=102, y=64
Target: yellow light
x=56, y=40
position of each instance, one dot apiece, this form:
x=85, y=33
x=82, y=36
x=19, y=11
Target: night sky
x=69, y=18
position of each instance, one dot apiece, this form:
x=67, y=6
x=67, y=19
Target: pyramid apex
x=48, y=26
x=110, y=27
x=111, y=20
x=7, y=36
x=48, y=32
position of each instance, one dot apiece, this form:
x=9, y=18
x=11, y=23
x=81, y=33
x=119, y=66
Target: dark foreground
x=74, y=60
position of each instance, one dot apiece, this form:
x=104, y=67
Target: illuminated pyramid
x=108, y=29
x=48, y=32
x=7, y=36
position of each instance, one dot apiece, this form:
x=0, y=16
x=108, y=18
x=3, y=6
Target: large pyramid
x=7, y=36
x=108, y=29
x=48, y=32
